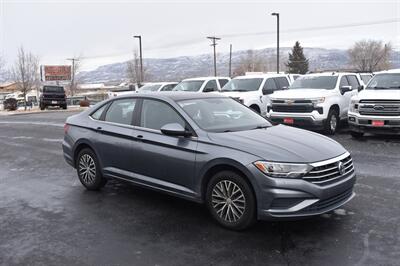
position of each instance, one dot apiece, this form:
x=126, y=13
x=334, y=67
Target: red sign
x=378, y=123
x=55, y=73
x=288, y=120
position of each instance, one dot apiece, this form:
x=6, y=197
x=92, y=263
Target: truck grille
x=331, y=172
x=292, y=106
x=379, y=107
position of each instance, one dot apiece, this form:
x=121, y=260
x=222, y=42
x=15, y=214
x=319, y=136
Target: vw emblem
x=341, y=168
x=379, y=107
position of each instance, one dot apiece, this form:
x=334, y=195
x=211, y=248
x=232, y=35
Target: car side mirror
x=345, y=89
x=175, y=129
x=360, y=88
x=267, y=91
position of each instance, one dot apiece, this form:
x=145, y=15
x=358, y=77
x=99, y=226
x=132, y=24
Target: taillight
x=66, y=127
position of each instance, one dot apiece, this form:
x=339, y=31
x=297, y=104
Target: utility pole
x=230, y=60
x=277, y=41
x=72, y=88
x=141, y=57
x=214, y=43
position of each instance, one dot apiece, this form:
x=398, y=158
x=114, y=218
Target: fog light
x=352, y=119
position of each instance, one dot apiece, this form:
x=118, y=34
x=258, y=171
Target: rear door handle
x=139, y=136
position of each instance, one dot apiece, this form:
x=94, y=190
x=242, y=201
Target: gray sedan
x=210, y=149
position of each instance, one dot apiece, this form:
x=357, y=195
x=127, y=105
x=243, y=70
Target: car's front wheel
x=88, y=170
x=231, y=201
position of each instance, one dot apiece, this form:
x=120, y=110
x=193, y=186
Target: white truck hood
x=379, y=94
x=241, y=94
x=300, y=93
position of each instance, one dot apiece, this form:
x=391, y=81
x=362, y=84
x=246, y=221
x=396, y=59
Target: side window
x=168, y=87
x=343, y=82
x=270, y=85
x=222, y=82
x=121, y=111
x=353, y=82
x=156, y=114
x=211, y=86
x=282, y=82
x=96, y=115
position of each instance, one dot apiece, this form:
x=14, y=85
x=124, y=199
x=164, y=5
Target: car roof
x=334, y=74
x=174, y=95
x=261, y=76
x=205, y=78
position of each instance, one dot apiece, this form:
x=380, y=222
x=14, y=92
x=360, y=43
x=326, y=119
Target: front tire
x=332, y=122
x=88, y=170
x=231, y=201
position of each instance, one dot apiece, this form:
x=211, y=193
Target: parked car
x=10, y=104
x=377, y=108
x=293, y=77
x=318, y=101
x=158, y=86
x=253, y=91
x=52, y=96
x=204, y=84
x=210, y=149
x=132, y=88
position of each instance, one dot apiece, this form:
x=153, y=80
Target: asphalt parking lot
x=48, y=218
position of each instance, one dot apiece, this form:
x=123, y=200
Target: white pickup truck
x=203, y=84
x=376, y=109
x=318, y=100
x=254, y=90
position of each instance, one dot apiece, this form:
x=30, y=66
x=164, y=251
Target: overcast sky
x=101, y=31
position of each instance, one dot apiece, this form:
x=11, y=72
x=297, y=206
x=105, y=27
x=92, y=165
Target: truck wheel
x=255, y=108
x=231, y=201
x=42, y=107
x=332, y=122
x=64, y=107
x=356, y=135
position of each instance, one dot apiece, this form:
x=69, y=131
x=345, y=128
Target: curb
x=42, y=112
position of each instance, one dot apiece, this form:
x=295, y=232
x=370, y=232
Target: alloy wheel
x=87, y=169
x=228, y=201
x=333, y=123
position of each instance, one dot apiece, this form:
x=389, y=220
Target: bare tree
x=26, y=71
x=133, y=70
x=370, y=55
x=251, y=62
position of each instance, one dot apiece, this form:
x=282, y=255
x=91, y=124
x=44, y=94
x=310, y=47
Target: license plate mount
x=288, y=120
x=378, y=123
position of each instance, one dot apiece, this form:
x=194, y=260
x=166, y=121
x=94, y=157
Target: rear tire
x=88, y=170
x=231, y=201
x=42, y=107
x=64, y=107
x=357, y=135
x=332, y=122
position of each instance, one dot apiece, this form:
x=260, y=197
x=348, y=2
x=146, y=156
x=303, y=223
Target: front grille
x=379, y=107
x=329, y=173
x=292, y=108
x=329, y=202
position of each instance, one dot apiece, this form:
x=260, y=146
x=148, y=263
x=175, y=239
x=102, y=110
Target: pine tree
x=297, y=63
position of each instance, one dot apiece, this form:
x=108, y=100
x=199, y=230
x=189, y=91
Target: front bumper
x=312, y=120
x=363, y=124
x=284, y=198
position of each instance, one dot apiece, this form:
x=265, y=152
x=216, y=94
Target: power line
x=214, y=44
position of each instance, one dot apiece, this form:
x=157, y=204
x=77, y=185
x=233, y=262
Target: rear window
x=53, y=89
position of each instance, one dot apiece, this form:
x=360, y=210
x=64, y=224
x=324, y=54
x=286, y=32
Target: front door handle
x=99, y=129
x=139, y=136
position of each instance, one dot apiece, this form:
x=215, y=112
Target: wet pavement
x=48, y=218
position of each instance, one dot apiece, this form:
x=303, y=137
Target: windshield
x=222, y=115
x=149, y=88
x=385, y=82
x=189, y=85
x=250, y=84
x=53, y=89
x=365, y=78
x=314, y=82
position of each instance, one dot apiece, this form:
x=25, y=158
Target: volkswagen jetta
x=210, y=149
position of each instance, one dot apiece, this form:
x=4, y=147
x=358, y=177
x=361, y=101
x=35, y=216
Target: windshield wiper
x=260, y=127
x=379, y=88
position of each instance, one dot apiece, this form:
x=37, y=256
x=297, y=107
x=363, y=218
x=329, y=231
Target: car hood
x=281, y=144
x=240, y=94
x=300, y=93
x=379, y=94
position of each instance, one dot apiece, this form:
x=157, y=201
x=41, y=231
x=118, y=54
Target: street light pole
x=230, y=60
x=277, y=41
x=72, y=87
x=141, y=57
x=214, y=43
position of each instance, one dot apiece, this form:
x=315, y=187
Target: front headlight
x=353, y=106
x=284, y=170
x=316, y=101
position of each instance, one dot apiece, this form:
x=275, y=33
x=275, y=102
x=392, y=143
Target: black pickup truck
x=53, y=96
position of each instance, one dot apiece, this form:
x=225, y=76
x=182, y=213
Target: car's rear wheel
x=231, y=201
x=332, y=122
x=88, y=170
